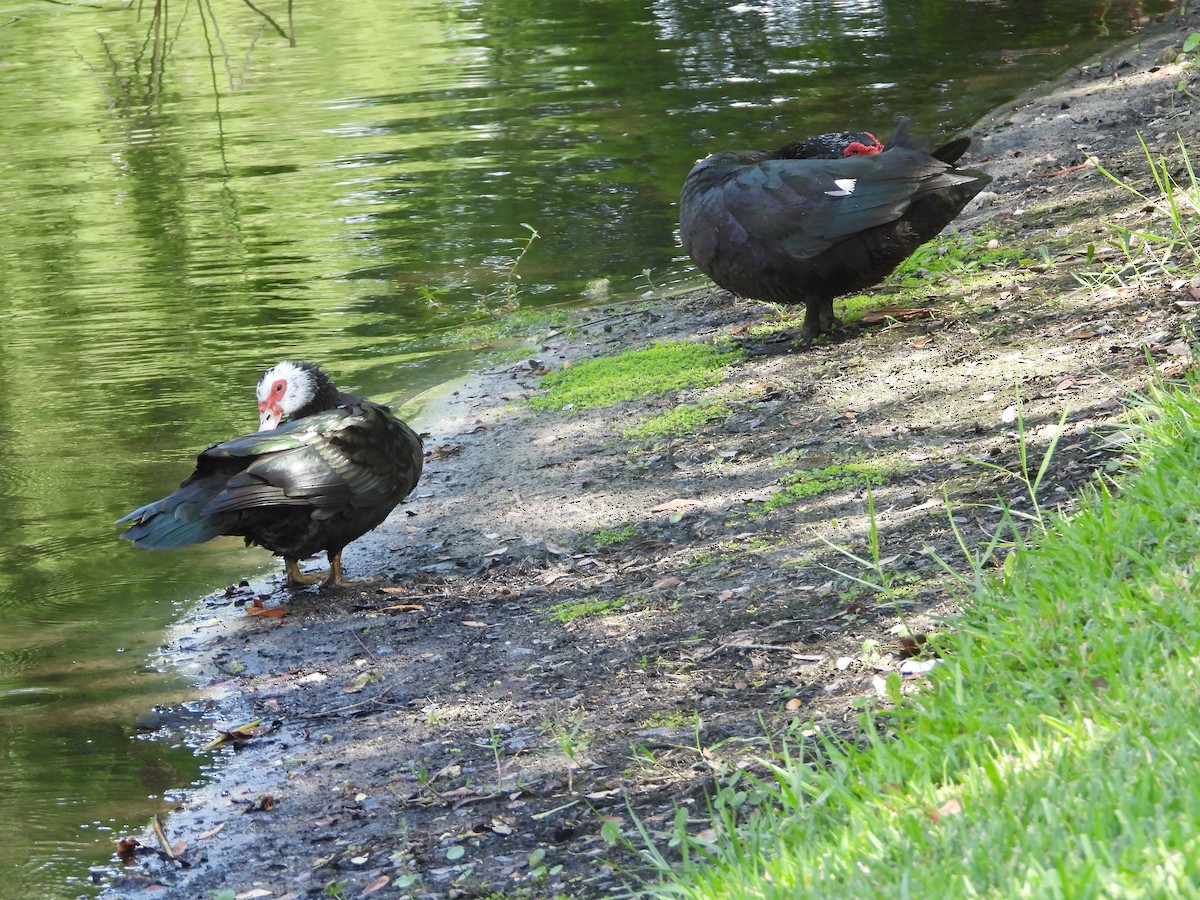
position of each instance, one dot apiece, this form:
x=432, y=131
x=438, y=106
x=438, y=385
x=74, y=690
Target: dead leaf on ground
x=362, y=679
x=443, y=450
x=403, y=607
x=246, y=732
x=678, y=503
x=912, y=645
x=127, y=850
x=482, y=426
x=265, y=803
x=205, y=835
x=377, y=884
x=256, y=608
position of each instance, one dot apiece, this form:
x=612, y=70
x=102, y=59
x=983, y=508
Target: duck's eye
x=279, y=386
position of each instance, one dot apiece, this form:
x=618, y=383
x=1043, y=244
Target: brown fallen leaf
x=482, y=426
x=242, y=733
x=376, y=884
x=666, y=583
x=256, y=608
x=205, y=835
x=127, y=850
x=911, y=645
x=403, y=607
x=923, y=342
x=161, y=835
x=439, y=452
x=676, y=504
x=265, y=803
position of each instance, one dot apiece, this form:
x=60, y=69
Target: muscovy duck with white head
x=324, y=468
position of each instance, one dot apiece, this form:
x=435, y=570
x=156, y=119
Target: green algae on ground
x=676, y=422
x=658, y=369
x=606, y=537
x=570, y=610
x=801, y=485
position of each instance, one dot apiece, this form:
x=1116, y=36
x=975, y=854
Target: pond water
x=194, y=191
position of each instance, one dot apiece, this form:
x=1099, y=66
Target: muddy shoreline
x=576, y=628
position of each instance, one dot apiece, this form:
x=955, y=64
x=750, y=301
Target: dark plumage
x=333, y=470
x=821, y=217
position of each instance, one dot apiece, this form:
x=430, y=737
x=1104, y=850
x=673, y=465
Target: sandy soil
x=449, y=735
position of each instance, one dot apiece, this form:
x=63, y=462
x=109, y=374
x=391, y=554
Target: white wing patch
x=845, y=187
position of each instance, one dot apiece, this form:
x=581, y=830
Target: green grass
x=1168, y=240
x=958, y=256
x=1054, y=753
x=654, y=370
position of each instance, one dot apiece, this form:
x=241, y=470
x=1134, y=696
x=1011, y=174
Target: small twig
x=1067, y=170
x=274, y=24
x=326, y=713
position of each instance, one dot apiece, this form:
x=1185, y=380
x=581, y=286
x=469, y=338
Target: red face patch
x=858, y=148
x=270, y=408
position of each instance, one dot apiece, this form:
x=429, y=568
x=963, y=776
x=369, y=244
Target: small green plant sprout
x=1190, y=44
x=432, y=296
x=538, y=868
x=877, y=576
x=654, y=291
x=1032, y=481
x=978, y=559
x=1174, y=246
x=511, y=289
x=573, y=742
x=512, y=293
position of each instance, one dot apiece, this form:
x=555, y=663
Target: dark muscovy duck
x=323, y=469
x=821, y=217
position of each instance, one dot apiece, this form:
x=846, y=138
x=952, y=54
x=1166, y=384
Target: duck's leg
x=295, y=577
x=334, y=578
x=818, y=319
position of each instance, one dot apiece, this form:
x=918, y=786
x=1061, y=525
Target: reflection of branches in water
x=290, y=34
x=159, y=38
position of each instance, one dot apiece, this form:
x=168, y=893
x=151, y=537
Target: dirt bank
x=578, y=628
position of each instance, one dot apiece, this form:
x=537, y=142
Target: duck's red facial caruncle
x=270, y=409
x=859, y=148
